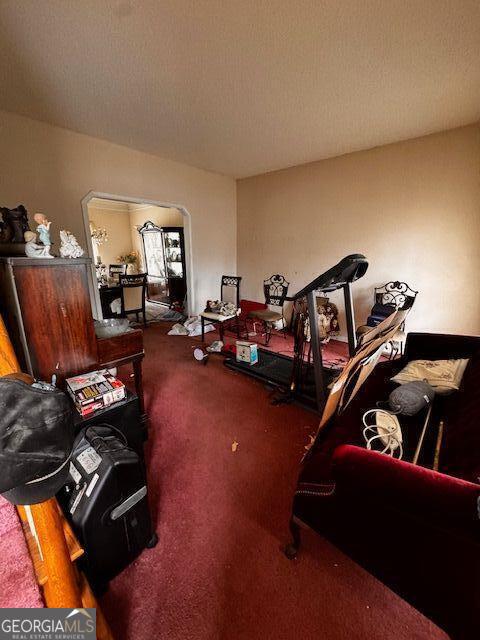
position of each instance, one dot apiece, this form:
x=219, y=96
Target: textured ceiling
x=243, y=86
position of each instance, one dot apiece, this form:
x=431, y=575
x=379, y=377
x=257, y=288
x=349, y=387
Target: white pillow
x=444, y=376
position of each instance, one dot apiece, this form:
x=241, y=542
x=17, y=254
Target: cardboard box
x=247, y=352
x=95, y=390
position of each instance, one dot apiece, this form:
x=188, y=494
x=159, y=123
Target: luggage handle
x=96, y=436
x=127, y=504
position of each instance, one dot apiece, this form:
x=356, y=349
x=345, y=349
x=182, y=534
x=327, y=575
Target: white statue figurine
x=43, y=232
x=69, y=247
x=32, y=249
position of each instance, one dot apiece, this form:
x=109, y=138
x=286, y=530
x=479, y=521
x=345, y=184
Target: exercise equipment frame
x=341, y=276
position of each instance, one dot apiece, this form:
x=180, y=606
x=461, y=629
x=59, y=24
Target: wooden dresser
x=45, y=304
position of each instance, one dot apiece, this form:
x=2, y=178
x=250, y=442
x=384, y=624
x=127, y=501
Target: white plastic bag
x=191, y=327
x=116, y=306
x=194, y=326
x=178, y=330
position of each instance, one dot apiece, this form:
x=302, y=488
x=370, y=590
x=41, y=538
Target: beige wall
x=117, y=225
x=50, y=169
x=412, y=208
x=161, y=216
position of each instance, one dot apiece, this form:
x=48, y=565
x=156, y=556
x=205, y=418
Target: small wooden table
x=124, y=349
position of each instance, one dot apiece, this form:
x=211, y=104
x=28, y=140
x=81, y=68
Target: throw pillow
x=444, y=376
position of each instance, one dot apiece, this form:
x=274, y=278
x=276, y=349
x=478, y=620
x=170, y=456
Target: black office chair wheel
x=153, y=541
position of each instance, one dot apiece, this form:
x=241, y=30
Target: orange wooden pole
x=8, y=359
x=61, y=588
x=89, y=601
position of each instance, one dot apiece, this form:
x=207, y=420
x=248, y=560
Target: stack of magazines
x=95, y=390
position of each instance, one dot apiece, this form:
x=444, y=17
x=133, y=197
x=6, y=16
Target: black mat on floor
x=275, y=370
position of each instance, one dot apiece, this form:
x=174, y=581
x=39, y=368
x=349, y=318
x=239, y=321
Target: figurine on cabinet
x=32, y=248
x=43, y=229
x=69, y=247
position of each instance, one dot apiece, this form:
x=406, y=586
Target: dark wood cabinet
x=46, y=307
x=45, y=304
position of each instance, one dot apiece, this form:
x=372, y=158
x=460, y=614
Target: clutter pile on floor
x=191, y=327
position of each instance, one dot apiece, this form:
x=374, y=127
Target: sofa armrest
x=435, y=346
x=404, y=486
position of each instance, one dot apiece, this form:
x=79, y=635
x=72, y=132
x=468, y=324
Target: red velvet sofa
x=415, y=529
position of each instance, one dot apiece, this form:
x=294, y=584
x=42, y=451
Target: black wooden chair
x=229, y=292
x=392, y=296
x=275, y=290
x=400, y=294
x=134, y=290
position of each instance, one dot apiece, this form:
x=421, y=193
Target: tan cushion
x=444, y=376
x=265, y=314
x=133, y=297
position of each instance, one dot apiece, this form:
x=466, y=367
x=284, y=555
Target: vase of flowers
x=131, y=260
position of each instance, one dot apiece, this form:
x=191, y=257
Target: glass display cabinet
x=164, y=259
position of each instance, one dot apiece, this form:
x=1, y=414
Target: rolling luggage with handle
x=106, y=502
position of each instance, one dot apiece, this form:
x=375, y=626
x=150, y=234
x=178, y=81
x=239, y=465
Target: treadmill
x=303, y=381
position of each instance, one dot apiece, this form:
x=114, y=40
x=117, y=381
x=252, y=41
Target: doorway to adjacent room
x=134, y=236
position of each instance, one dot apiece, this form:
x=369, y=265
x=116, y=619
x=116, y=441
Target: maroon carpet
x=19, y=587
x=218, y=571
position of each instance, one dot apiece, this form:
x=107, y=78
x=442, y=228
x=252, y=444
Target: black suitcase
x=106, y=502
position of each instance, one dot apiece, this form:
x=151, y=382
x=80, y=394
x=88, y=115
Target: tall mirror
x=164, y=251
